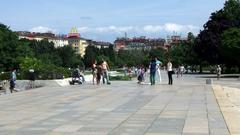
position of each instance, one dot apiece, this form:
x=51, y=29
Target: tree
x=31, y=63
x=131, y=57
x=177, y=54
x=191, y=57
x=8, y=47
x=91, y=54
x=160, y=53
x=209, y=40
x=110, y=52
x=230, y=46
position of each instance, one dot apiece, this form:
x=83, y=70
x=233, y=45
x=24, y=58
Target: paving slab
x=123, y=108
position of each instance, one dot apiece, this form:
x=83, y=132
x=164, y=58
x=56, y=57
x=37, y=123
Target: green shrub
x=42, y=71
x=5, y=76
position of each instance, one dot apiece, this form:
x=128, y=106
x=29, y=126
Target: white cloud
x=114, y=29
x=42, y=29
x=192, y=28
x=167, y=28
x=152, y=28
x=83, y=29
x=170, y=27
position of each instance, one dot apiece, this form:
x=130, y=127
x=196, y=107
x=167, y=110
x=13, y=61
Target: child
x=141, y=73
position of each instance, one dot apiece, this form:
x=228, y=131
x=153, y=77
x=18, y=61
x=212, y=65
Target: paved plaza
x=189, y=107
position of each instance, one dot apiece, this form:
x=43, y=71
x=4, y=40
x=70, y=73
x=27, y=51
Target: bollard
x=209, y=81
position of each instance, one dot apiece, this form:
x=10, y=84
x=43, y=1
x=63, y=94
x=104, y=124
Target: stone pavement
x=189, y=107
x=227, y=92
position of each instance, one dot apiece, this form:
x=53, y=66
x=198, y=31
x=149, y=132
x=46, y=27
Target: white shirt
x=182, y=68
x=169, y=66
x=104, y=65
x=219, y=70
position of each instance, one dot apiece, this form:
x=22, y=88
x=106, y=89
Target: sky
x=104, y=20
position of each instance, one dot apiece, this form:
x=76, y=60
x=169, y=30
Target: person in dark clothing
x=94, y=71
x=170, y=72
x=31, y=78
x=153, y=68
x=13, y=81
x=99, y=73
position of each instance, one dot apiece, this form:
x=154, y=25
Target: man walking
x=152, y=67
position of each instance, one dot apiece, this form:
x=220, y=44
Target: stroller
x=77, y=77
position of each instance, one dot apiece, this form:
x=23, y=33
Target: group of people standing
x=155, y=72
x=100, y=71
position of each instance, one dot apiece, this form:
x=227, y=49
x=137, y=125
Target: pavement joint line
x=205, y=96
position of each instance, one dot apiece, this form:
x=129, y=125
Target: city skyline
x=107, y=19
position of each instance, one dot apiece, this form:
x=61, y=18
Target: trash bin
x=209, y=81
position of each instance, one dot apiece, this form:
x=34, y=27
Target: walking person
x=182, y=69
x=105, y=69
x=219, y=71
x=170, y=72
x=13, y=81
x=125, y=69
x=31, y=78
x=94, y=71
x=99, y=73
x=153, y=67
x=158, y=70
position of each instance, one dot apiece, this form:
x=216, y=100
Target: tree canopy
x=209, y=45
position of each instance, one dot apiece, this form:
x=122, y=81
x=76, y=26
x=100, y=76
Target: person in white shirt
x=105, y=69
x=219, y=71
x=158, y=72
x=182, y=70
x=170, y=72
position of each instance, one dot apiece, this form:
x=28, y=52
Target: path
x=189, y=107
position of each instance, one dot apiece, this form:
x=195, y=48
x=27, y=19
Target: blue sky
x=107, y=19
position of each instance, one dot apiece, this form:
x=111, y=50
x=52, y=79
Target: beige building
x=59, y=41
x=79, y=44
x=73, y=39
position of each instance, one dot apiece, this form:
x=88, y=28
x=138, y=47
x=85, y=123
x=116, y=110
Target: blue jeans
x=152, y=78
x=105, y=76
